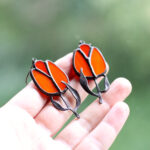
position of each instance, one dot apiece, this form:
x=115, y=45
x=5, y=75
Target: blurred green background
x=49, y=29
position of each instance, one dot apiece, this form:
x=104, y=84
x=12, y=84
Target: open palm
x=28, y=120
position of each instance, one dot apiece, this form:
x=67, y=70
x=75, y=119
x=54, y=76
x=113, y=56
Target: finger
x=105, y=133
x=30, y=98
x=93, y=115
x=120, y=84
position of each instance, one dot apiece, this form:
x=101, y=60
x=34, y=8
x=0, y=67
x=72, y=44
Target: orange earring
x=52, y=81
x=89, y=64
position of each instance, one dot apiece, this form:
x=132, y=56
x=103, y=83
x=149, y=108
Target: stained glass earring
x=52, y=81
x=90, y=64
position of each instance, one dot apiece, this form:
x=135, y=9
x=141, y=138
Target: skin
x=28, y=120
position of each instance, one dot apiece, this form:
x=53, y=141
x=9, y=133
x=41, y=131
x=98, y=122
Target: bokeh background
x=49, y=29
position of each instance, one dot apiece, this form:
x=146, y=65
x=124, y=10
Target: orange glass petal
x=58, y=75
x=41, y=66
x=80, y=62
x=85, y=48
x=97, y=62
x=44, y=82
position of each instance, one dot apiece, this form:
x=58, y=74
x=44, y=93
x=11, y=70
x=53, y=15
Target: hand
x=28, y=121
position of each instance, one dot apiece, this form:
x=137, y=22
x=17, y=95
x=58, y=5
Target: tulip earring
x=89, y=64
x=52, y=81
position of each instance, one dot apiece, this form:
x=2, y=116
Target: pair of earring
x=88, y=63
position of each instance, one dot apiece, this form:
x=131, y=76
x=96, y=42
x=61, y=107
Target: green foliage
x=50, y=29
